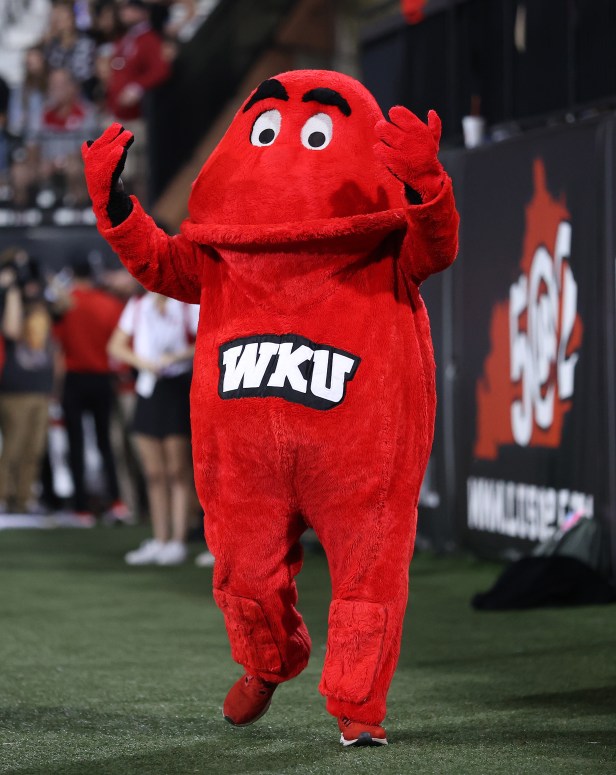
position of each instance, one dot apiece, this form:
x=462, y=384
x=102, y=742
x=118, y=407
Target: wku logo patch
x=528, y=381
x=289, y=367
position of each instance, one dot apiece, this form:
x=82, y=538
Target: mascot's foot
x=357, y=733
x=248, y=700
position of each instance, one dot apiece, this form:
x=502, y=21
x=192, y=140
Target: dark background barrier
x=513, y=62
x=524, y=324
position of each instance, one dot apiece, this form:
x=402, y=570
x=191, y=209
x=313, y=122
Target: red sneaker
x=248, y=700
x=358, y=733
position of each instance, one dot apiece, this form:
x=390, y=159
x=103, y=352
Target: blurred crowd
x=67, y=69
x=94, y=402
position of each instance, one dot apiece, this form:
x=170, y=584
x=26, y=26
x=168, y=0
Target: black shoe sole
x=247, y=723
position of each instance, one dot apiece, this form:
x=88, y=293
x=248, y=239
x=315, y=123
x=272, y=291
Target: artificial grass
x=110, y=670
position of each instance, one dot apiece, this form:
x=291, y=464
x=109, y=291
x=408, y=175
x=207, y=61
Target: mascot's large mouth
x=356, y=227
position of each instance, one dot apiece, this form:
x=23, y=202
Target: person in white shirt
x=155, y=335
x=22, y=25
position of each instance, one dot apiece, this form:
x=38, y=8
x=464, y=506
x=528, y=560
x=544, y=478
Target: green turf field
x=110, y=669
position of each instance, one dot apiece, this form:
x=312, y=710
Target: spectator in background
x=65, y=110
x=156, y=336
x=132, y=482
x=137, y=66
x=18, y=161
x=26, y=386
x=22, y=25
x=27, y=100
x=27, y=272
x=102, y=68
x=10, y=144
x=18, y=165
x=106, y=30
x=67, y=121
x=87, y=318
x=22, y=182
x=106, y=27
x=68, y=49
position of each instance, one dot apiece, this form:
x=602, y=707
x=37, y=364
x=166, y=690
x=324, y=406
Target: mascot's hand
x=409, y=148
x=104, y=160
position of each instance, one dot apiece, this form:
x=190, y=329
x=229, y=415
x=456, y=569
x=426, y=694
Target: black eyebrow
x=328, y=97
x=269, y=88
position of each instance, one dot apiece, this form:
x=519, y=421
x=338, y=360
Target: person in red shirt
x=83, y=332
x=67, y=119
x=137, y=64
x=65, y=111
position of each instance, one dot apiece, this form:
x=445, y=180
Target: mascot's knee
x=252, y=643
x=354, y=646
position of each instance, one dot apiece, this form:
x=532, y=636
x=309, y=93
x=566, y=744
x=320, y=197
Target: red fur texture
x=290, y=246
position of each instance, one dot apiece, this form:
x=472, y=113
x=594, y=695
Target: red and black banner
x=533, y=384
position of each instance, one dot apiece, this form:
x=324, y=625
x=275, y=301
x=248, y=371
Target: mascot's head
x=299, y=149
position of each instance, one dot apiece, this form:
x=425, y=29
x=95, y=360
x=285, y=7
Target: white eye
x=317, y=132
x=266, y=128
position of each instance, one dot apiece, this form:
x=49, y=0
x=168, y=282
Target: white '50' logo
x=547, y=298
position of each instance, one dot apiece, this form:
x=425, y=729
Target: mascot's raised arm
x=310, y=229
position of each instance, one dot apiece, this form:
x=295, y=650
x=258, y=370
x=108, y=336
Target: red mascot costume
x=311, y=227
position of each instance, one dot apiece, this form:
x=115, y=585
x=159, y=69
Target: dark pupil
x=316, y=139
x=266, y=136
